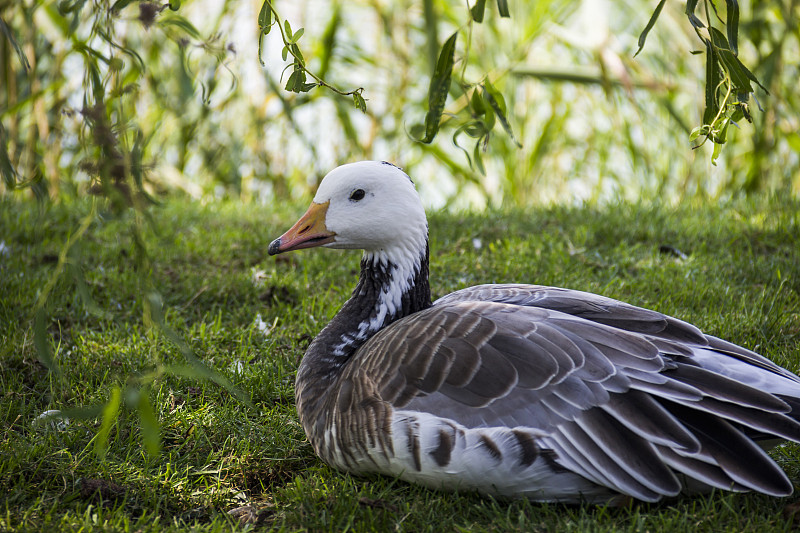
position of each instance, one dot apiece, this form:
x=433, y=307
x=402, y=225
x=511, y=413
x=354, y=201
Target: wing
x=623, y=396
x=610, y=312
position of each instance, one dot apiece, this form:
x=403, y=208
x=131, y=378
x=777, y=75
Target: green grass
x=740, y=279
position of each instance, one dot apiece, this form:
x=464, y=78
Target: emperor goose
x=520, y=390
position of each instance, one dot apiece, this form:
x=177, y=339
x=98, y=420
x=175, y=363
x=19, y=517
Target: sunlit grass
x=733, y=269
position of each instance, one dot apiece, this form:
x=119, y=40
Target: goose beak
x=308, y=232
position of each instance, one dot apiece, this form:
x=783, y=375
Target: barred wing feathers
x=628, y=398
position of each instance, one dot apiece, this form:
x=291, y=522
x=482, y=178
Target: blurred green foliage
x=131, y=99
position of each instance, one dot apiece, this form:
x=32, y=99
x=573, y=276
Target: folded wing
x=628, y=398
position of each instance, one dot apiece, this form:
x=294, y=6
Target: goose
x=516, y=390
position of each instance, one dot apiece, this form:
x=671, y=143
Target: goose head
x=368, y=205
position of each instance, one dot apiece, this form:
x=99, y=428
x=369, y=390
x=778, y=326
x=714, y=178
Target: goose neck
x=387, y=290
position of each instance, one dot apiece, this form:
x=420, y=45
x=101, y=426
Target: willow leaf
x=691, y=5
x=119, y=5
x=732, y=24
x=730, y=62
x=477, y=11
x=439, y=87
x=712, y=81
x=359, y=103
x=265, y=17
x=179, y=22
x=498, y=104
x=478, y=158
x=502, y=7
x=650, y=23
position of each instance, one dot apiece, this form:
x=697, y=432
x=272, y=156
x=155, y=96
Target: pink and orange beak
x=308, y=232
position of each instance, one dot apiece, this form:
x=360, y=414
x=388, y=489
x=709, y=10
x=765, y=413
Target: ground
x=231, y=454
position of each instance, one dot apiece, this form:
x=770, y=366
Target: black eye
x=357, y=195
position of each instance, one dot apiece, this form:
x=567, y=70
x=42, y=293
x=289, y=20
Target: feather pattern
x=525, y=390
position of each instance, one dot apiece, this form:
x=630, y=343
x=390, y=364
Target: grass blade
x=7, y=170
x=154, y=307
x=10, y=36
x=151, y=429
x=110, y=412
x=83, y=289
x=328, y=42
x=41, y=340
x=431, y=33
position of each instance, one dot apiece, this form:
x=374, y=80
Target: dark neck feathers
x=381, y=297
